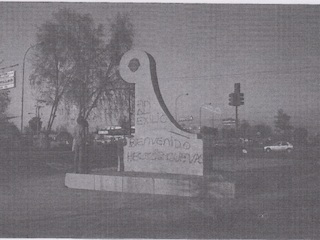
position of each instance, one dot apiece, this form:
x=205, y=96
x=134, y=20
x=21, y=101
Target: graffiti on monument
x=158, y=155
x=143, y=107
x=162, y=148
x=159, y=141
x=146, y=117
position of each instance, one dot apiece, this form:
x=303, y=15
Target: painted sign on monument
x=160, y=144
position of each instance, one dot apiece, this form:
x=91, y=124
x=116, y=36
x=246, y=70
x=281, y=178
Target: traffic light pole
x=236, y=121
x=236, y=99
x=236, y=133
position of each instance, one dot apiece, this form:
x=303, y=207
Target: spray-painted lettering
x=157, y=155
x=143, y=107
x=160, y=141
x=148, y=118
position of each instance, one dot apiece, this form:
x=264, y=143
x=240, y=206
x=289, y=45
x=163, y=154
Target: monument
x=160, y=144
x=161, y=157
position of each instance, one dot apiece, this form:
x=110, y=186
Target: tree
x=262, y=130
x=74, y=64
x=282, y=124
x=8, y=128
x=112, y=90
x=9, y=135
x=4, y=103
x=244, y=129
x=68, y=46
x=99, y=81
x=35, y=124
x=282, y=121
x=300, y=135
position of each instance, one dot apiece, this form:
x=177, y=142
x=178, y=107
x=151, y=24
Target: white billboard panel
x=7, y=80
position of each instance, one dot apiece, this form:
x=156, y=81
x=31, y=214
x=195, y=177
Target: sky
x=200, y=49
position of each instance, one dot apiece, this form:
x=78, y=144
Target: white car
x=280, y=146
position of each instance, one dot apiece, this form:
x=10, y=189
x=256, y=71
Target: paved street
x=35, y=203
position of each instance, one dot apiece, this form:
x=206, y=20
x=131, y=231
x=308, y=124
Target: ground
x=35, y=203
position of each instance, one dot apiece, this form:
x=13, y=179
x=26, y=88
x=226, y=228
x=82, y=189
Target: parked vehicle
x=280, y=146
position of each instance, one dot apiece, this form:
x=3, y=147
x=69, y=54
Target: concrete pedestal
x=153, y=183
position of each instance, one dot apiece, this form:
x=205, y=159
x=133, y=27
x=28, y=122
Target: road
x=35, y=203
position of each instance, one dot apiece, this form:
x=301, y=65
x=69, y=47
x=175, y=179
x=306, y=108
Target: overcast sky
x=202, y=49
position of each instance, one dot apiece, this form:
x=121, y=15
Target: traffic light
x=237, y=87
x=231, y=99
x=241, y=98
x=236, y=98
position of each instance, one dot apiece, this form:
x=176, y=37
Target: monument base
x=153, y=183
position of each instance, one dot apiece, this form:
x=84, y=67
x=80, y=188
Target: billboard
x=7, y=80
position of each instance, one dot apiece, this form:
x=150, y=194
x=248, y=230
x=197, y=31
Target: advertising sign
x=184, y=119
x=229, y=122
x=7, y=80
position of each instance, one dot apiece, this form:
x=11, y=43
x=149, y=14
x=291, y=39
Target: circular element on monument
x=134, y=64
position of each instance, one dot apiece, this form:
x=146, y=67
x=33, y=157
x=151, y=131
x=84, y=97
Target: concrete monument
x=160, y=144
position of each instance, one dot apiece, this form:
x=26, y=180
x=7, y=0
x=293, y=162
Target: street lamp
x=205, y=104
x=176, y=109
x=22, y=94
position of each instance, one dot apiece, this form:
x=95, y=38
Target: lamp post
x=22, y=93
x=200, y=113
x=176, y=109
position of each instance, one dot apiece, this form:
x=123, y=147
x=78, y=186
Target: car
x=280, y=146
